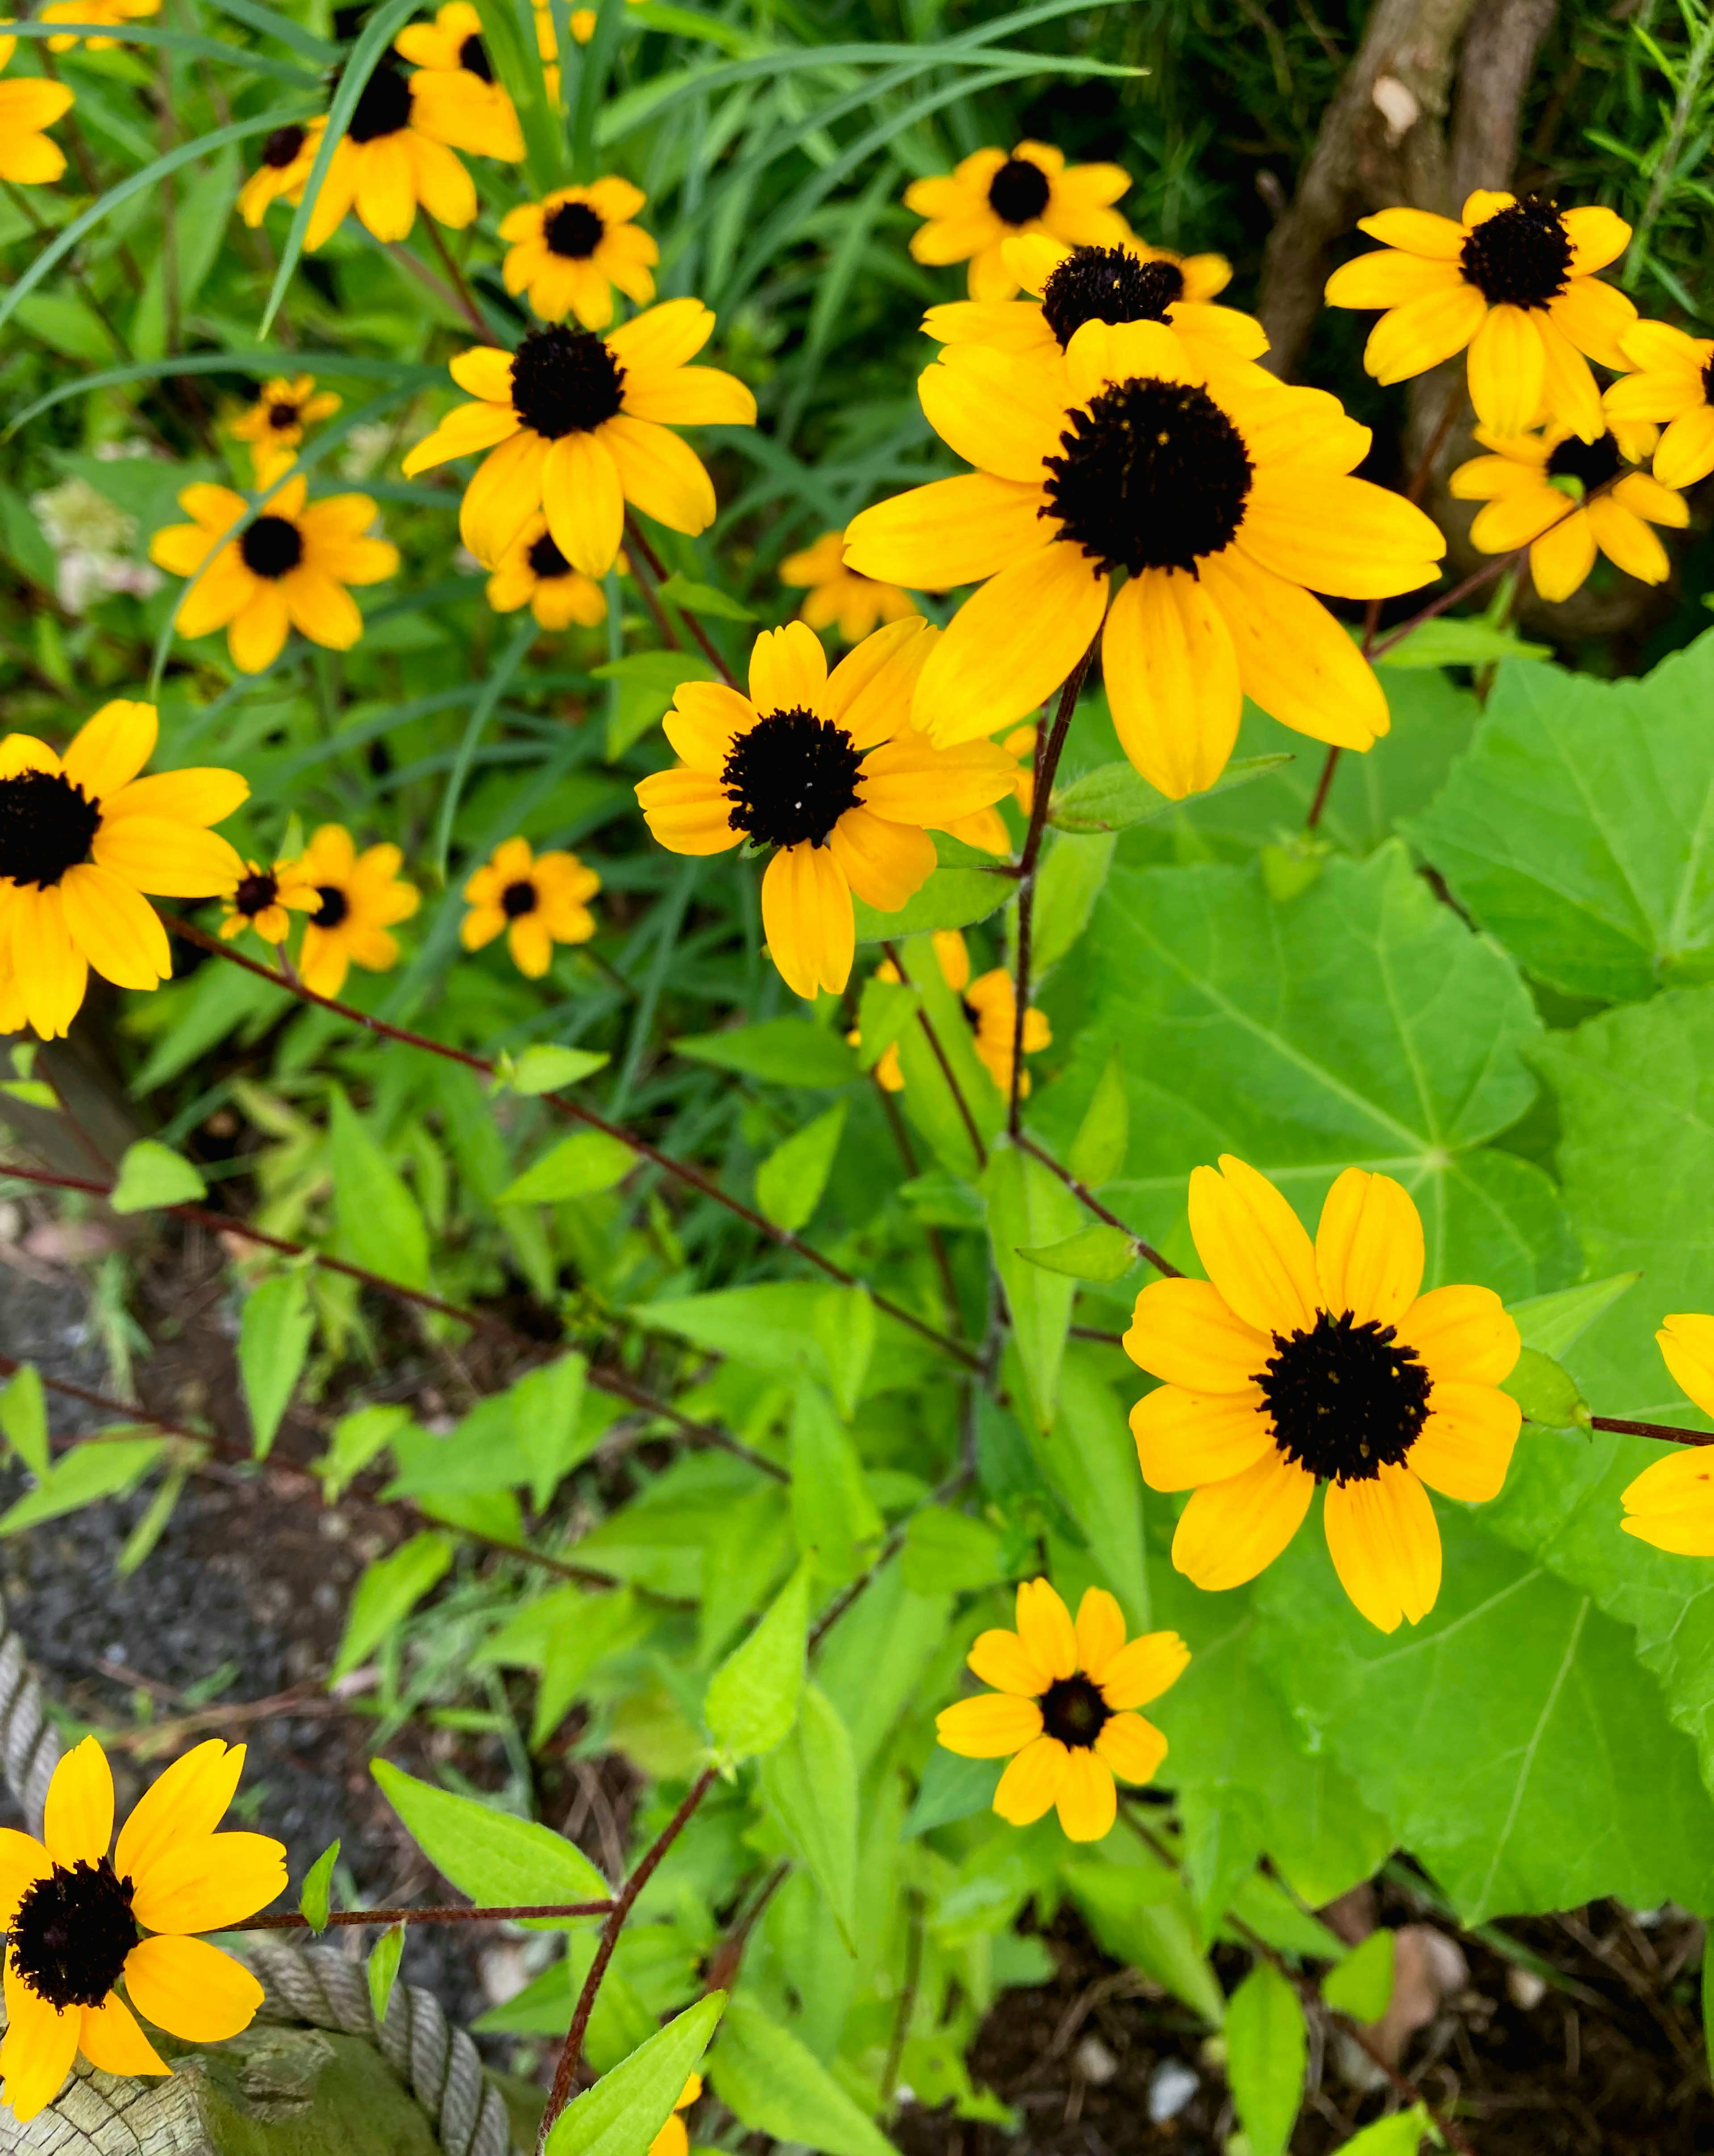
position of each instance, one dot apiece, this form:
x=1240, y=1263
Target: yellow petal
x=1231, y=1531
x=662, y=474
x=169, y=859
x=1101, y=1631
x=1508, y=370
x=1000, y=1659
x=1185, y=1439
x=1560, y=559
x=1466, y=1444
x=584, y=501
x=909, y=780
x=1144, y=1669
x=110, y=2039
x=1389, y=278
x=210, y=1882
x=691, y=396
x=1293, y=659
x=77, y=1819
x=1185, y=1331
x=23, y=1862
x=111, y=749
x=114, y=927
x=204, y=795
x=1032, y=1781
x=38, y=2049
x=505, y=492
x=885, y=864
x=868, y=692
x=1408, y=339
x=807, y=920
x=185, y=1801
x=950, y=531
x=1339, y=535
x=1171, y=676
x=788, y=669
x=1010, y=645
x=991, y=1728
x=1597, y=236
x=663, y=336
x=1670, y=1504
x=1462, y=1333
x=1254, y=1248
x=259, y=629
x=192, y=1989
x=1417, y=231
x=1045, y=1628
x=1000, y=411
x=687, y=812
x=484, y=372
x=705, y=720
x=1623, y=538
x=1088, y=1802
x=1130, y=1747
x=1369, y=1248
x=1385, y=1546
x=1687, y=1342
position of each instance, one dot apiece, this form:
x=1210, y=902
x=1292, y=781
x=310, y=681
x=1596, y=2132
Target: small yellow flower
x=456, y=98
x=262, y=898
x=571, y=248
x=1531, y=483
x=360, y=898
x=81, y=840
x=673, y=2140
x=1675, y=383
x=1670, y=1504
x=27, y=106
x=275, y=423
x=538, y=900
x=1515, y=282
x=79, y=1919
x=837, y=594
x=989, y=1003
x=1063, y=1709
x=993, y=196
x=287, y=155
x=531, y=572
x=287, y=569
x=1296, y=1364
x=117, y=11
x=987, y=828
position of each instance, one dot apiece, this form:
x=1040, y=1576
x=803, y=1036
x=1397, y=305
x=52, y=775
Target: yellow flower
x=572, y=247
x=1515, y=282
x=1070, y=286
x=115, y=12
x=992, y=197
x=576, y=426
x=1222, y=495
x=1674, y=382
x=262, y=897
x=989, y=1003
x=279, y=415
x=288, y=569
x=837, y=594
x=80, y=842
x=538, y=901
x=27, y=157
x=1533, y=480
x=531, y=572
x=457, y=100
x=673, y=2140
x=78, y=1920
x=825, y=769
x=287, y=155
x=1294, y=1364
x=1670, y=1504
x=987, y=828
x=1063, y=1709
x=360, y=897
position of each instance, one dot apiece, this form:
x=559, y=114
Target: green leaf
x=951, y=1788
x=1576, y=829
x=380, y=1226
x=1029, y=1209
x=151, y=1174
x=357, y=1440
x=586, y=1161
x=783, y=1051
x=704, y=598
x=1361, y=1985
x=546, y=1066
x=388, y=1591
x=773, y=2084
x=1403, y=2134
x=23, y=1418
x=832, y=1515
x=1468, y=641
x=1546, y=1392
x=317, y=1889
x=1067, y=885
x=273, y=1338
x=789, y=1183
x=1095, y=1253
x=846, y=1329
x=949, y=1553
x=627, y=2107
x=929, y=1099
x=647, y=682
x=1089, y=1461
x=1098, y=1151
x=1141, y=1914
x=774, y=1327
x=966, y=888
x=1114, y=797
x=887, y=1007
x=548, y=1407
x=1266, y=2047
x=381, y=1968
x=608, y=1624
x=1553, y=1323
x=500, y=1860
x=753, y=1696
x=102, y=1467
x=808, y=1785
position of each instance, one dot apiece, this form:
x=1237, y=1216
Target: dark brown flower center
x=1520, y=256
x=334, y=908
x=282, y=146
x=72, y=1933
x=574, y=231
x=1018, y=193
x=46, y=827
x=518, y=899
x=545, y=560
x=1108, y=285
x=565, y=382
x=1708, y=383
x=256, y=893
x=1346, y=1398
x=282, y=416
x=270, y=546
x=384, y=107
x=790, y=778
x=1073, y=1710
x=1591, y=463
x=472, y=58
x=1154, y=476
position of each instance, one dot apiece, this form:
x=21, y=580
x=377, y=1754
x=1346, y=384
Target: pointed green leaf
x=380, y=1226
x=500, y=1860
x=23, y=1418
x=314, y=1899
x=1113, y=797
x=547, y=1407
x=151, y=1174
x=273, y=1339
x=1361, y=1985
x=832, y=1514
x=789, y=1183
x=545, y=1067
x=1028, y=1207
x=1266, y=2047
x=387, y=1593
x=809, y=1786
x=577, y=1167
x=1546, y=1392
x=1095, y=1253
x=845, y=1331
x=382, y=1968
x=627, y=2107
x=103, y=1467
x=1097, y=1152
x=753, y=1696
x=1552, y=1323
x=774, y=2084
x=781, y=1051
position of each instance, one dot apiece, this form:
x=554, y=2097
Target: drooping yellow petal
x=991, y=1728
x=807, y=920
x=1131, y=1749
x=38, y=2049
x=661, y=473
x=1562, y=558
x=77, y=1819
x=1625, y=539
x=1466, y=1445
x=1508, y=369
x=1385, y=1545
x=192, y=1989
x=1185, y=1439
x=1231, y=1531
x=114, y=927
x=110, y=2039
x=1045, y=1628
x=950, y=531
x=1686, y=1342
x=1293, y=659
x=1172, y=685
x=1185, y=1331
x=884, y=863
x=1254, y=1248
x=584, y=499
x=1010, y=645
x=1032, y=1781
x=1369, y=1251
x=1409, y=340
x=1596, y=317
x=1088, y=1802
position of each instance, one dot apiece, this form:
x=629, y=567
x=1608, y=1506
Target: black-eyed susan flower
x=287, y=155
x=837, y=595
x=398, y=152
x=824, y=769
x=532, y=573
x=987, y=828
x=456, y=98
x=536, y=900
x=993, y=196
x=118, y=12
x=1225, y=498
x=265, y=900
x=288, y=568
x=673, y=2139
x=80, y=1918
x=1063, y=1709
x=1295, y=1363
x=27, y=106
x=1514, y=281
x=1670, y=1504
x=1071, y=285
x=82, y=840
x=570, y=249
x=275, y=423
x=360, y=899
x=1673, y=384
x=989, y=1003
x=1540, y=490
x=577, y=425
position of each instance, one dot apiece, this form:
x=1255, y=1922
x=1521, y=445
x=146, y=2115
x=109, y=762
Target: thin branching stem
x=1086, y=1196
x=972, y=1130
x=652, y=562
x=292, y=1920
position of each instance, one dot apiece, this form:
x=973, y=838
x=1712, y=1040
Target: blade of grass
x=493, y=689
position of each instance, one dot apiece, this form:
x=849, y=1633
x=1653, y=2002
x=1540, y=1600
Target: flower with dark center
x=544, y=558
x=1154, y=475
x=384, y=105
x=1062, y=1709
x=573, y=231
x=334, y=910
x=1670, y=1504
x=566, y=382
x=576, y=247
x=995, y=195
x=72, y=1934
x=838, y=595
x=517, y=900
x=46, y=827
x=533, y=572
x=275, y=423
x=1108, y=285
x=358, y=899
x=790, y=778
x=1297, y=1364
x=473, y=58
x=259, y=890
x=265, y=901
x=1520, y=257
x=534, y=899
x=270, y=546
x=281, y=417
x=1671, y=384
x=1590, y=464
x=282, y=146
x=1017, y=193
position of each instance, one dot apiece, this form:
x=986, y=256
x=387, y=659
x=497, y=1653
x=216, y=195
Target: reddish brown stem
x=889, y=952
x=635, y=538
x=1669, y=1433
x=1086, y=1196
x=1324, y=787
x=293, y=1921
